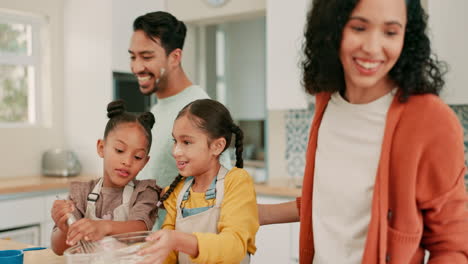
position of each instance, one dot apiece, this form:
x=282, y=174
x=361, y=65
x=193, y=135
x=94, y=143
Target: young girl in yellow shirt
x=211, y=212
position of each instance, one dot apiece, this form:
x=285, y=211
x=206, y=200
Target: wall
x=88, y=50
x=245, y=68
x=448, y=22
x=284, y=89
x=199, y=11
x=287, y=143
x=21, y=148
x=276, y=145
x=123, y=14
x=190, y=55
x=93, y=36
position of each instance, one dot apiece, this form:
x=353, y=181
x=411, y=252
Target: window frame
x=34, y=61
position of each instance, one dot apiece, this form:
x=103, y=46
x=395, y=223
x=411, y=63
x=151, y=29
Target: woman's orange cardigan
x=419, y=200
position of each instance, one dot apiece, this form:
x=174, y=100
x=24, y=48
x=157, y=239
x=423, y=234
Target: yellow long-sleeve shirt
x=237, y=225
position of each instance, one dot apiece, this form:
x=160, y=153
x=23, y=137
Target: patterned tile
x=462, y=112
x=297, y=135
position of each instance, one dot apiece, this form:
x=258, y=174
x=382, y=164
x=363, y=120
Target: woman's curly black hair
x=417, y=70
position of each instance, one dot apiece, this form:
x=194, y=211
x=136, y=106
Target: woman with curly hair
x=384, y=179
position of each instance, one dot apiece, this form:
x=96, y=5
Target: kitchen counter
x=45, y=256
x=37, y=184
x=278, y=187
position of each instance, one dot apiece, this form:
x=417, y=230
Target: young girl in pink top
x=117, y=202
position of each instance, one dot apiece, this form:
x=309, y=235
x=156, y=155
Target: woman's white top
x=348, y=152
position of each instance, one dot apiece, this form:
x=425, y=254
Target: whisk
x=86, y=247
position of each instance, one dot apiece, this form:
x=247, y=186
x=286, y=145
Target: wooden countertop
x=278, y=187
x=38, y=183
x=274, y=187
x=45, y=256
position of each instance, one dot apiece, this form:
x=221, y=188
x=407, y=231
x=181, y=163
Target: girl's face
x=194, y=152
x=372, y=42
x=125, y=153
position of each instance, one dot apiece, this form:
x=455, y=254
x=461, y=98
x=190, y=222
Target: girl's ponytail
x=170, y=190
x=238, y=145
x=118, y=115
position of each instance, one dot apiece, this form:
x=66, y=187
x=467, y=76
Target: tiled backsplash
x=462, y=112
x=298, y=123
x=297, y=135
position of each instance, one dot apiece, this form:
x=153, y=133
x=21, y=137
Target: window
x=20, y=69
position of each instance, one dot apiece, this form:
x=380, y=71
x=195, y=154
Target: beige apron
x=205, y=222
x=120, y=212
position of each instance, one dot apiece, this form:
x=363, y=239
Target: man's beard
x=156, y=85
x=155, y=89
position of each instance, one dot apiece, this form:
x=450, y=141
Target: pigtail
x=170, y=190
x=117, y=115
x=238, y=145
x=147, y=119
x=115, y=108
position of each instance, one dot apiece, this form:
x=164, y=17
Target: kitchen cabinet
x=26, y=211
x=48, y=223
x=276, y=243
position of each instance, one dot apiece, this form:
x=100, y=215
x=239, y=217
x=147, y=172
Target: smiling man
x=156, y=55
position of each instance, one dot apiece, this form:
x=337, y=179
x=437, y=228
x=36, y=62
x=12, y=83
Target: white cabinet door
x=48, y=223
x=294, y=246
x=274, y=241
x=21, y=212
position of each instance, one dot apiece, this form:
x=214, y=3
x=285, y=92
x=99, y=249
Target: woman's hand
x=87, y=229
x=60, y=212
x=162, y=243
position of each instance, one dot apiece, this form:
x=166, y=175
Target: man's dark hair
x=164, y=27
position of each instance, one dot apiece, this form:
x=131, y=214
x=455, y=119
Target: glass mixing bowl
x=116, y=249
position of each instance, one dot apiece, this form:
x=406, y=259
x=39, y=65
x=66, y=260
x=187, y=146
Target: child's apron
x=120, y=212
x=205, y=222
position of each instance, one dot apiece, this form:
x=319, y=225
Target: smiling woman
x=371, y=45
x=399, y=187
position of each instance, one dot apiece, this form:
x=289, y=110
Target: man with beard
x=156, y=54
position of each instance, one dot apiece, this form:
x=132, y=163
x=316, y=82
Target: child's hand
x=163, y=243
x=60, y=211
x=87, y=229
